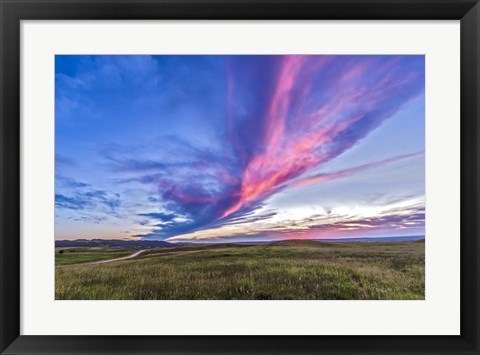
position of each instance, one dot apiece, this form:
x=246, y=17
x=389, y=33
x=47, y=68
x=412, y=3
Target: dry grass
x=284, y=270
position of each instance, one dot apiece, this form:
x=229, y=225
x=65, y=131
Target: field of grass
x=301, y=270
x=67, y=256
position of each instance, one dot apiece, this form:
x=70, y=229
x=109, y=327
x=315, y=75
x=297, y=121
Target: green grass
x=68, y=256
x=303, y=270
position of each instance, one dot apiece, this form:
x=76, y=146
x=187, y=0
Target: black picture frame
x=12, y=12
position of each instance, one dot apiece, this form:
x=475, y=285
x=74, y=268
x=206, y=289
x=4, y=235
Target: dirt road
x=137, y=253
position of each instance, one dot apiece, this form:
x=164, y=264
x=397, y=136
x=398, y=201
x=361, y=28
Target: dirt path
x=168, y=253
x=137, y=253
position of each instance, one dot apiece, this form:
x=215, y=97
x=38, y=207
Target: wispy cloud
x=313, y=179
x=391, y=219
x=82, y=200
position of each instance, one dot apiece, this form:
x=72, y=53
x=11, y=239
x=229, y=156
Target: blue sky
x=215, y=148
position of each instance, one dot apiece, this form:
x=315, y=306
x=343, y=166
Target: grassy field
x=301, y=270
x=67, y=256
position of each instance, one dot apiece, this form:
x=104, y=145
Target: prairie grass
x=296, y=270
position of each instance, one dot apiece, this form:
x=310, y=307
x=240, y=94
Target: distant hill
x=147, y=244
x=375, y=239
x=116, y=243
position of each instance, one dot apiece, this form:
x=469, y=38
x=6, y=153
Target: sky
x=240, y=148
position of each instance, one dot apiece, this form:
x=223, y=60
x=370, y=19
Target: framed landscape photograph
x=237, y=177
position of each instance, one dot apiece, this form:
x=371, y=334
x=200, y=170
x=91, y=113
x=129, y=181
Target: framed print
x=238, y=177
